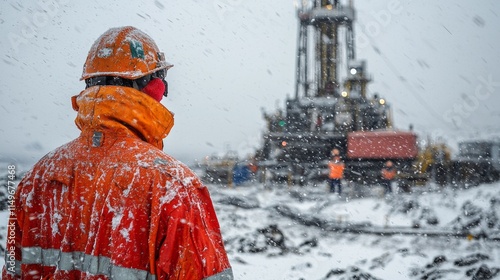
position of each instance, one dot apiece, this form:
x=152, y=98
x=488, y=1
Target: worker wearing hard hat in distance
x=336, y=172
x=388, y=174
x=111, y=204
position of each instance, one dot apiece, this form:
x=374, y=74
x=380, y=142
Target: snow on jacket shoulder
x=111, y=205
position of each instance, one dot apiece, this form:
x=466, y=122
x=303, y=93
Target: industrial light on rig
x=381, y=101
x=283, y=143
x=353, y=71
x=344, y=94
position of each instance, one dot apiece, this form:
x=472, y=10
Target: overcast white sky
x=436, y=62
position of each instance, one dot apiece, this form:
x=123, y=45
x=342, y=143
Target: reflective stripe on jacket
x=111, y=205
x=336, y=170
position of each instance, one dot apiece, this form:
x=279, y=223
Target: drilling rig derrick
x=326, y=18
x=330, y=97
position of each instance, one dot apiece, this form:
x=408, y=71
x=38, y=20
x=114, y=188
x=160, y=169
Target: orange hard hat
x=124, y=52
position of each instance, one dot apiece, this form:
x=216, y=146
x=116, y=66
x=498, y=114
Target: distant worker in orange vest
x=336, y=167
x=252, y=166
x=388, y=175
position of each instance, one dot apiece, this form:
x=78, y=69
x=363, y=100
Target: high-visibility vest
x=388, y=173
x=336, y=170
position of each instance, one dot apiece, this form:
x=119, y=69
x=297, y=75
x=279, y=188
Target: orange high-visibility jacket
x=111, y=205
x=336, y=169
x=389, y=173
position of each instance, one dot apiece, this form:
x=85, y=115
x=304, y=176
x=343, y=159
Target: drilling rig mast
x=327, y=17
x=330, y=96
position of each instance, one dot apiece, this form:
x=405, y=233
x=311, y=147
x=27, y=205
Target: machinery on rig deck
x=477, y=162
x=331, y=106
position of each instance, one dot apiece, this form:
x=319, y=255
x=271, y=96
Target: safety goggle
x=141, y=82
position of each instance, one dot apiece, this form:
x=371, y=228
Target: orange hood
x=123, y=110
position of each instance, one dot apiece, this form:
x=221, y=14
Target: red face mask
x=156, y=88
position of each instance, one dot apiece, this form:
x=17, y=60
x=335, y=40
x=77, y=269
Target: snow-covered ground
x=281, y=232
x=266, y=236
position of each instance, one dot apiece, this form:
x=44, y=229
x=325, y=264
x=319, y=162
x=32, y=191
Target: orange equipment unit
x=382, y=145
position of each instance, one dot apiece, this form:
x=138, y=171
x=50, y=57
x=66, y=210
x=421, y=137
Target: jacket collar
x=123, y=110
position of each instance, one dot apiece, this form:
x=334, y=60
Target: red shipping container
x=382, y=145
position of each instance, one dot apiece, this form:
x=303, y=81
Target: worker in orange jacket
x=388, y=174
x=336, y=172
x=111, y=204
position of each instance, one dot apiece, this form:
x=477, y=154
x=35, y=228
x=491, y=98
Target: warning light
x=282, y=123
x=283, y=143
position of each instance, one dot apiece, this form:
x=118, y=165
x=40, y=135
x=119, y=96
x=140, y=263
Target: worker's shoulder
x=154, y=159
x=177, y=170
x=60, y=156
